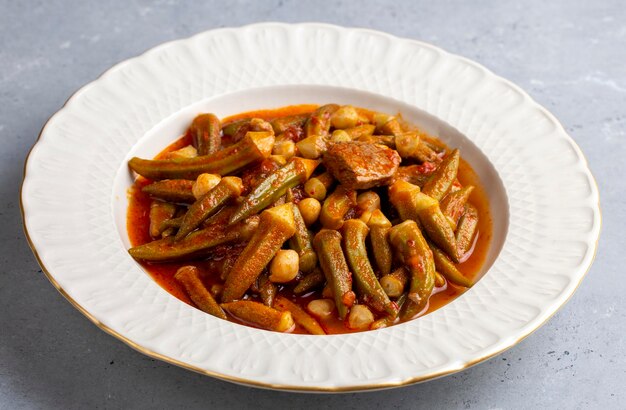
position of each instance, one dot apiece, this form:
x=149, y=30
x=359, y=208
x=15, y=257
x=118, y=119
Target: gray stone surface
x=569, y=55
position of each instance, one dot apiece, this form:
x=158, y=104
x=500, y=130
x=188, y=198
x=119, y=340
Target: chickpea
x=321, y=308
x=204, y=183
x=315, y=189
x=284, y=266
x=340, y=136
x=392, y=286
x=310, y=209
x=345, y=117
x=368, y=201
x=360, y=317
x=285, y=148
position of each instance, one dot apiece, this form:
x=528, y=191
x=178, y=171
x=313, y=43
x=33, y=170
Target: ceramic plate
x=543, y=199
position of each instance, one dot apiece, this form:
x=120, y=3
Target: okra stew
x=309, y=219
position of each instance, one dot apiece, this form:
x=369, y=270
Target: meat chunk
x=361, y=165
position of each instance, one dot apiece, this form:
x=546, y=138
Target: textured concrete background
x=570, y=56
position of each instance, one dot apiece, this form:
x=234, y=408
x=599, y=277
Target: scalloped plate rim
x=533, y=326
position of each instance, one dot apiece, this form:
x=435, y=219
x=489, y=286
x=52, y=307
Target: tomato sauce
x=138, y=223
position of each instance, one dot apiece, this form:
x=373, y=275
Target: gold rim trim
x=249, y=382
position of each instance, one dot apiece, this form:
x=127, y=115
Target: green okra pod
x=260, y=315
x=302, y=242
x=206, y=134
x=444, y=176
x=171, y=223
x=318, y=124
x=417, y=206
x=171, y=190
x=209, y=204
x=355, y=232
x=276, y=225
x=453, y=204
x=327, y=243
x=466, y=230
x=310, y=281
x=413, y=251
x=159, y=213
x=267, y=290
x=189, y=278
x=301, y=317
x=274, y=186
x=413, y=174
x=439, y=231
x=447, y=268
x=424, y=153
x=254, y=147
x=196, y=244
x=231, y=128
x=282, y=124
x=379, y=237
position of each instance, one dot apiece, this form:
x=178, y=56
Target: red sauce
x=138, y=223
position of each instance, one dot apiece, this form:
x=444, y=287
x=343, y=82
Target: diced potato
x=310, y=209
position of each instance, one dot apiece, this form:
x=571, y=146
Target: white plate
x=543, y=199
